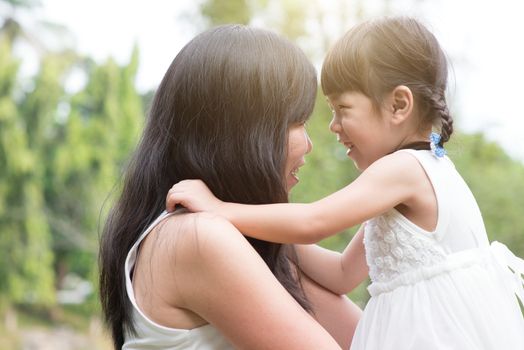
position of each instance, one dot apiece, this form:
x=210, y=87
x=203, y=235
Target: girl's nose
x=334, y=126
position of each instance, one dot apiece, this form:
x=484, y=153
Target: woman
x=231, y=111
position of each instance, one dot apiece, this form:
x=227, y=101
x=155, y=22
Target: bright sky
x=480, y=36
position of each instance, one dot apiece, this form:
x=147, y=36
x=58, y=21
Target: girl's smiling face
x=364, y=130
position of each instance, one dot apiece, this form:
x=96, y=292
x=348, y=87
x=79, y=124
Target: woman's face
x=299, y=144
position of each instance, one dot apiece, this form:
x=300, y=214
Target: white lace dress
x=446, y=289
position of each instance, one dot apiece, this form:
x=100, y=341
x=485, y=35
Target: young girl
x=436, y=281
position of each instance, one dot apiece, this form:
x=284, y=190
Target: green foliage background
x=61, y=156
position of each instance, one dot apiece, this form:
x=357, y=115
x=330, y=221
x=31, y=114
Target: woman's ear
x=401, y=104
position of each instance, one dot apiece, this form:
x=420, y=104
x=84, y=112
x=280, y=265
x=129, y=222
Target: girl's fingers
x=171, y=201
x=175, y=193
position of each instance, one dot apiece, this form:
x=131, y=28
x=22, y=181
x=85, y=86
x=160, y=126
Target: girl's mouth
x=349, y=147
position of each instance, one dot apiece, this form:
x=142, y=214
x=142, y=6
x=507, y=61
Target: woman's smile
x=299, y=145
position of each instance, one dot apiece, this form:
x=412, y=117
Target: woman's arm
x=220, y=277
x=337, y=272
x=383, y=185
x=336, y=313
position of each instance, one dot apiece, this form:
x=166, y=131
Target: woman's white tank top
x=150, y=335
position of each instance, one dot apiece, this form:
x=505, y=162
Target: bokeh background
x=76, y=80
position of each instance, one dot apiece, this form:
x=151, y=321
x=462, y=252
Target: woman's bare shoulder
x=200, y=232
x=220, y=277
x=199, y=243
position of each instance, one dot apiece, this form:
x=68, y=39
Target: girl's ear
x=401, y=104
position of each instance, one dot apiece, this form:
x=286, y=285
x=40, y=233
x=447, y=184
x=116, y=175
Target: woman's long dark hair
x=221, y=114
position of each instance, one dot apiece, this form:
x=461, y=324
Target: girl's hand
x=194, y=195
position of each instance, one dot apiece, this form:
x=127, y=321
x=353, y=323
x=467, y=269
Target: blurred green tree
x=26, y=271
x=218, y=12
x=93, y=144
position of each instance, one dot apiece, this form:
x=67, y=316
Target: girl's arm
x=239, y=296
x=383, y=185
x=337, y=272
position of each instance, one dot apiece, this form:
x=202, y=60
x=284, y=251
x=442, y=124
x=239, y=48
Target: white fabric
x=446, y=289
x=150, y=335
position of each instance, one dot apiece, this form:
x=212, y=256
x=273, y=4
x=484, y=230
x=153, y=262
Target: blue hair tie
x=434, y=142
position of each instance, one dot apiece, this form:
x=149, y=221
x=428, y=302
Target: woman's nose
x=309, y=143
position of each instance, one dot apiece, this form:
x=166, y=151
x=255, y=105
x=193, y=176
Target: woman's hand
x=194, y=195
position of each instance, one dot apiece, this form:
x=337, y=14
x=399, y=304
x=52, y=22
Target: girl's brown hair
x=378, y=55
